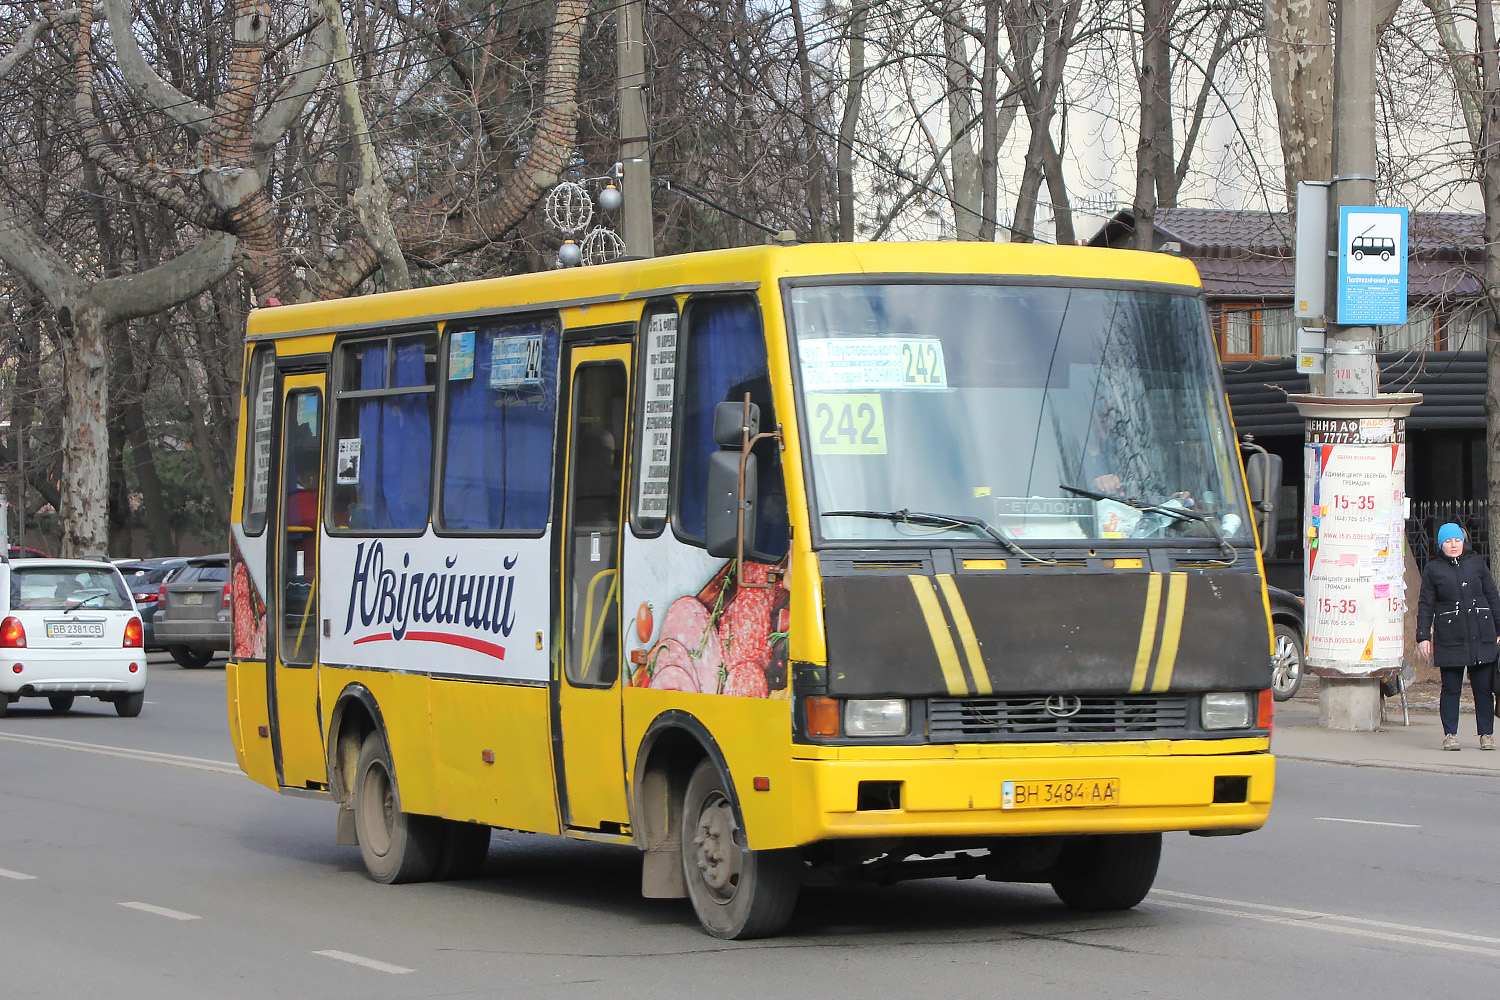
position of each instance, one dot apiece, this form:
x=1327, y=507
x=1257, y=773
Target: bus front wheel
x=396, y=846
x=1107, y=872
x=736, y=892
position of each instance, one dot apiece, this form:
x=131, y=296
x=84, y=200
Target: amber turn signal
x=822, y=716
x=1265, y=710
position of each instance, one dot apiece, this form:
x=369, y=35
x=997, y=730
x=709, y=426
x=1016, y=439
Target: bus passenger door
x=593, y=755
x=292, y=601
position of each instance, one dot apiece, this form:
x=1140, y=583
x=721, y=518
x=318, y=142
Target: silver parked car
x=192, y=617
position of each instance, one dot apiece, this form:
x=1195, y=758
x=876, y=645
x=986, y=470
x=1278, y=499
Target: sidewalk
x=1296, y=735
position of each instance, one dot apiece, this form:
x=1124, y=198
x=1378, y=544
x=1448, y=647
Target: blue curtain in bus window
x=726, y=358
x=497, y=473
x=396, y=442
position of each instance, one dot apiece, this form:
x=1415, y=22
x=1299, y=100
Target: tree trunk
x=858, y=24
x=989, y=136
x=1299, y=39
x=371, y=200
x=1155, y=118
x=84, y=515
x=810, y=126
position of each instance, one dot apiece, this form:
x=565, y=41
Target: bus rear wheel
x=737, y=893
x=1107, y=872
x=396, y=846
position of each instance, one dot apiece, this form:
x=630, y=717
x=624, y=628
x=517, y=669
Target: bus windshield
x=1038, y=411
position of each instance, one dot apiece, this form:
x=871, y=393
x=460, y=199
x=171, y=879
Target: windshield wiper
x=75, y=605
x=1179, y=513
x=937, y=520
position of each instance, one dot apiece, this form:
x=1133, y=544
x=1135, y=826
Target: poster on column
x=1355, y=551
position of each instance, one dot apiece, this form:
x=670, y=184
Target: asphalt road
x=135, y=861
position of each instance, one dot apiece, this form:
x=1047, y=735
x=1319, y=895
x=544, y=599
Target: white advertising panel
x=474, y=607
x=1355, y=547
x=658, y=391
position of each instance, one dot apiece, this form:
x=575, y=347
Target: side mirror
x=725, y=501
x=729, y=424
x=1263, y=478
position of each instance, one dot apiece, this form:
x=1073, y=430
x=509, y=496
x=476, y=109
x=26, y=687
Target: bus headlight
x=875, y=717
x=1227, y=710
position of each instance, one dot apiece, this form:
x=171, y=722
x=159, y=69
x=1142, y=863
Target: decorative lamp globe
x=569, y=254
x=610, y=198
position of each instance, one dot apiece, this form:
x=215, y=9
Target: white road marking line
x=162, y=911
x=151, y=756
x=369, y=963
x=1368, y=822
x=1382, y=930
x=18, y=876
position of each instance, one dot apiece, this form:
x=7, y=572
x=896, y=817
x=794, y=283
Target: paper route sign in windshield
x=844, y=364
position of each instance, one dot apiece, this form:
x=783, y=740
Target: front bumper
x=72, y=671
x=1163, y=786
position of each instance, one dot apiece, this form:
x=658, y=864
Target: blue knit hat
x=1449, y=530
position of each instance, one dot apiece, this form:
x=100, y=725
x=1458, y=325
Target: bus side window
x=501, y=414
x=383, y=448
x=724, y=357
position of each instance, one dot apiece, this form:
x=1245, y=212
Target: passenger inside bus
x=597, y=467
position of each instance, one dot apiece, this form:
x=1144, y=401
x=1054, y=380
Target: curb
x=1394, y=765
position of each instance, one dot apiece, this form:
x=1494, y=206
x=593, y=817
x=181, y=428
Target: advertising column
x=1354, y=540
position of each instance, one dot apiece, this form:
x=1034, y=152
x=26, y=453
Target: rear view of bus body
x=788, y=565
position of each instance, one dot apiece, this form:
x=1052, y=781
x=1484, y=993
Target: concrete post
x=635, y=149
x=1355, y=473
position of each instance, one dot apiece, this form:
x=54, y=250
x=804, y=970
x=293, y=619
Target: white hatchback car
x=69, y=627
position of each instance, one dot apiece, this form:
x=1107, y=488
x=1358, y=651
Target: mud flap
x=346, y=834
x=661, y=872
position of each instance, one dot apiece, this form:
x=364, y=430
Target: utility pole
x=635, y=150
x=1355, y=476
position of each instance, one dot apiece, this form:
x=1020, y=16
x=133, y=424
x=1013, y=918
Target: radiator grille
x=1099, y=717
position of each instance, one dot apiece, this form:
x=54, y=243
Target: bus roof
x=743, y=268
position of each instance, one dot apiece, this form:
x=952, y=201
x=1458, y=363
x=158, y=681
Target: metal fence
x=1428, y=515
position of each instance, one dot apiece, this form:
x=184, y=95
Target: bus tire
x=128, y=706
x=465, y=848
x=396, y=846
x=1107, y=871
x=737, y=893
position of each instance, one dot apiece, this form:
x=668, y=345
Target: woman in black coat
x=1456, y=630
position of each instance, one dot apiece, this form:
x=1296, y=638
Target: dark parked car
x=192, y=617
x=1287, y=661
x=144, y=577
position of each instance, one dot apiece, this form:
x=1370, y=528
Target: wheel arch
x=672, y=746
x=1290, y=620
x=356, y=714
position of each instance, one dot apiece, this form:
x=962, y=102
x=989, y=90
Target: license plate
x=75, y=630
x=192, y=598
x=1079, y=792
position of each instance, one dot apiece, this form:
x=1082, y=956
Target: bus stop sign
x=1372, y=266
